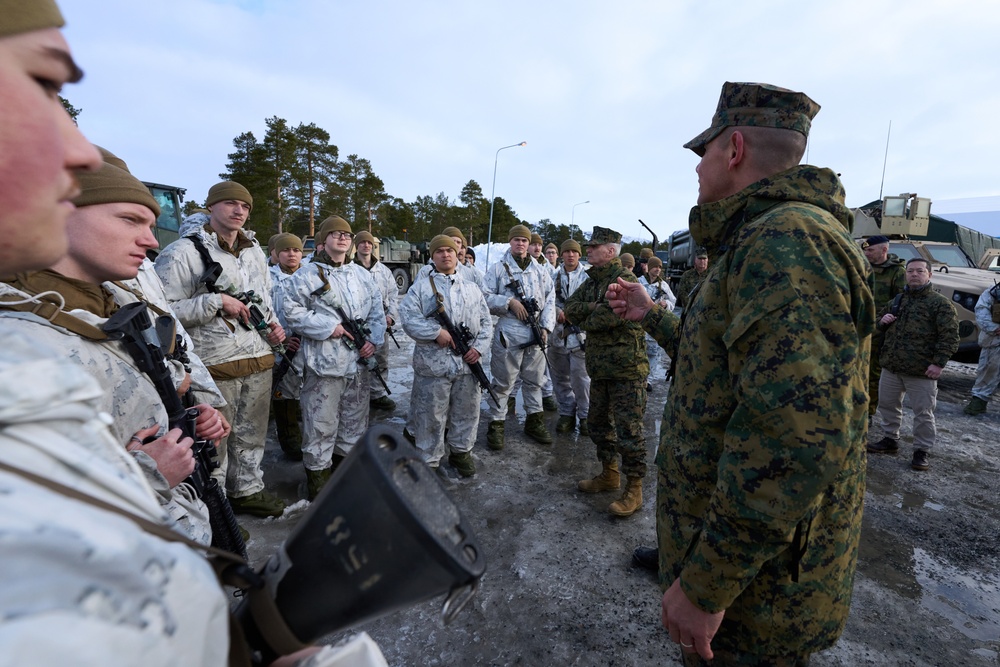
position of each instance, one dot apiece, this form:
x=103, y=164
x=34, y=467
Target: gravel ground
x=560, y=590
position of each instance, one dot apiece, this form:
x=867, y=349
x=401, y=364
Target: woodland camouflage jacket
x=762, y=454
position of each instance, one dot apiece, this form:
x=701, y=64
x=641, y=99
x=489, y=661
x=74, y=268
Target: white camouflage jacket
x=386, y=284
x=464, y=303
x=468, y=272
x=537, y=283
x=988, y=329
x=567, y=282
x=659, y=292
x=311, y=314
x=147, y=287
x=217, y=339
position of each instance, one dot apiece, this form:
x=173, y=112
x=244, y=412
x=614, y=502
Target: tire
x=402, y=277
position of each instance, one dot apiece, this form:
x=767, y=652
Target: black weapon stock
x=460, y=337
x=532, y=308
x=392, y=334
x=132, y=326
x=359, y=332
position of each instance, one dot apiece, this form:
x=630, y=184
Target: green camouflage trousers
x=615, y=422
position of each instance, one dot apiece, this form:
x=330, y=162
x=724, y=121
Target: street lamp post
x=493, y=190
x=572, y=215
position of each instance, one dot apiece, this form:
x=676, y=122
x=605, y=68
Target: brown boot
x=630, y=501
x=608, y=480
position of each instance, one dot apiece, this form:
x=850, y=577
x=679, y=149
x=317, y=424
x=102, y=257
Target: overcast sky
x=605, y=93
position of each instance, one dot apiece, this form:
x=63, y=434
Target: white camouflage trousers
x=240, y=453
x=988, y=373
x=570, y=381
x=334, y=416
x=445, y=403
x=507, y=365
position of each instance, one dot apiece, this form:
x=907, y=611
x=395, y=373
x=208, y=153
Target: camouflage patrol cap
x=455, y=232
x=570, y=244
x=19, y=16
x=332, y=224
x=604, y=235
x=701, y=253
x=757, y=104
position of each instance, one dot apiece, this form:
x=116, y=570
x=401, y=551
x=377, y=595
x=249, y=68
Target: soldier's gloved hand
x=172, y=453
x=516, y=307
x=444, y=339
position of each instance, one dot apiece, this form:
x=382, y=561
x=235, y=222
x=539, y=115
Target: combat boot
x=382, y=403
x=463, y=463
x=565, y=424
x=608, y=480
x=494, y=435
x=261, y=504
x=549, y=404
x=315, y=481
x=534, y=428
x=976, y=406
x=584, y=429
x=630, y=501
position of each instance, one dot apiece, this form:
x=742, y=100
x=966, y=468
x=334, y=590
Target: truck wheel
x=402, y=279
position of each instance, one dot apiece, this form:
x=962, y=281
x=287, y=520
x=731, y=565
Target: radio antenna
x=884, y=160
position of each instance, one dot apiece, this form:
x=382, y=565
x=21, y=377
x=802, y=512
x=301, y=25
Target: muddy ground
x=560, y=589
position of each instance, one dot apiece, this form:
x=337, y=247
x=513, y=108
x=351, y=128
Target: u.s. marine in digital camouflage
x=762, y=454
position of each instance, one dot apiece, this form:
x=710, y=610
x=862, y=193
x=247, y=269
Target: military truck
x=405, y=259
x=168, y=225
x=905, y=220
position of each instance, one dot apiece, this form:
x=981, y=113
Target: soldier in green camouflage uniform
x=761, y=459
x=618, y=366
x=887, y=280
x=691, y=278
x=917, y=334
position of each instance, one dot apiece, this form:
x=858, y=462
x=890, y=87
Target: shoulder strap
x=53, y=313
x=142, y=297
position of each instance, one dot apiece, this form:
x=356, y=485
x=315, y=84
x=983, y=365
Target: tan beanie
x=286, y=241
x=654, y=262
x=627, y=259
x=112, y=184
x=570, y=244
x=455, y=232
x=17, y=16
x=443, y=241
x=535, y=238
x=645, y=253
x=364, y=236
x=519, y=231
x=227, y=190
x=332, y=224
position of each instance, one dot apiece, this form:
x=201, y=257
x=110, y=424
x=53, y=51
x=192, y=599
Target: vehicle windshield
x=951, y=255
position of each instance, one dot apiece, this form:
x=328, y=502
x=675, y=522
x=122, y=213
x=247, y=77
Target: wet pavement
x=560, y=590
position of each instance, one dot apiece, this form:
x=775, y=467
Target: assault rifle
x=533, y=310
x=392, y=334
x=461, y=337
x=360, y=333
x=132, y=326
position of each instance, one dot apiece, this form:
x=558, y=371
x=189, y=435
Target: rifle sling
x=53, y=313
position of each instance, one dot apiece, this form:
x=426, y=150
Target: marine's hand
x=235, y=308
x=516, y=307
x=210, y=425
x=472, y=356
x=444, y=339
x=560, y=316
x=293, y=343
x=276, y=334
x=687, y=624
x=367, y=350
x=888, y=318
x=172, y=453
x=933, y=372
x=628, y=300
x=339, y=331
x=185, y=385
